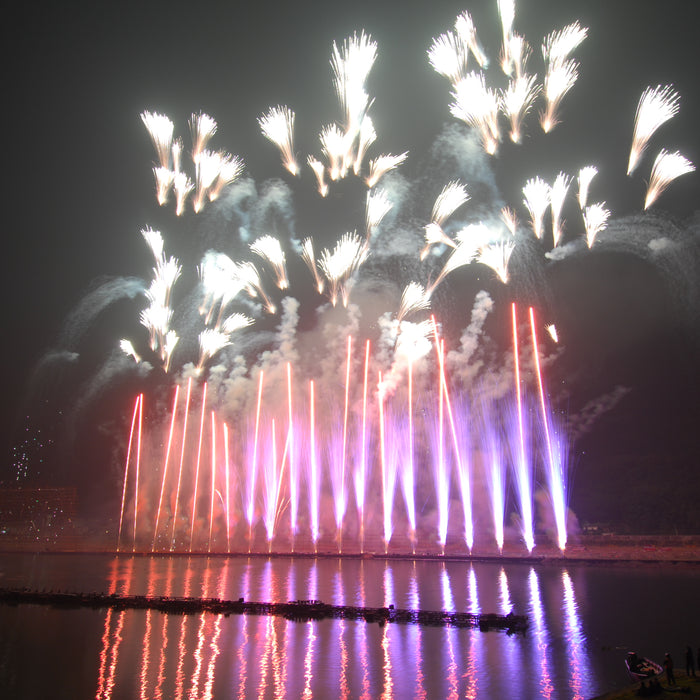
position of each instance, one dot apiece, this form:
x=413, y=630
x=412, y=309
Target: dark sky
x=78, y=185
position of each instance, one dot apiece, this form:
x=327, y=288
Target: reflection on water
x=146, y=654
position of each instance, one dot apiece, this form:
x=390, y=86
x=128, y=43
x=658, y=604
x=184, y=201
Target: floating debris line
x=295, y=610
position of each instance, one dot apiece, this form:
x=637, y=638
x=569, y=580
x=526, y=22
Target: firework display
x=364, y=441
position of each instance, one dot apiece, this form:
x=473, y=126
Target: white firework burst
x=160, y=129
x=277, y=125
x=477, y=106
x=667, y=167
x=202, y=128
x=557, y=195
x=414, y=298
x=537, y=195
x=656, y=106
x=595, y=219
x=270, y=249
x=381, y=165
x=585, y=176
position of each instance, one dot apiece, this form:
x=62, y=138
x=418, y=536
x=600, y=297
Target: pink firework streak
x=555, y=458
x=523, y=471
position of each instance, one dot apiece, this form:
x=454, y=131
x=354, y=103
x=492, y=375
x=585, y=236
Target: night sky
x=79, y=188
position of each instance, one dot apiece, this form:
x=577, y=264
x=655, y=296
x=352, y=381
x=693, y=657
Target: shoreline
x=684, y=550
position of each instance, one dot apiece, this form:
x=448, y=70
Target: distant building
x=37, y=513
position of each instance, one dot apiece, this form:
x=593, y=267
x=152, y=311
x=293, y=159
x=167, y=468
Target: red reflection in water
x=470, y=674
x=578, y=658
x=448, y=603
x=243, y=646
x=146, y=656
x=214, y=646
x=164, y=637
x=388, y=689
x=414, y=602
x=308, y=660
x=362, y=638
x=540, y=630
x=339, y=599
x=105, y=684
x=269, y=633
x=181, y=648
x=201, y=640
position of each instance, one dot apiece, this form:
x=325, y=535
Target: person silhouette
x=668, y=667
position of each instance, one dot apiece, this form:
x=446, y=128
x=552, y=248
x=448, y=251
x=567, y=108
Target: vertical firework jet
x=408, y=415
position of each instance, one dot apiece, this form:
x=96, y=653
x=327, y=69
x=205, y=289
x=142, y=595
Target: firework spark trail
x=464, y=26
x=506, y=12
x=656, y=106
x=523, y=469
x=585, y=176
x=213, y=477
x=182, y=186
x=361, y=471
x=434, y=235
x=160, y=129
x=270, y=249
x=448, y=55
x=378, y=205
x=557, y=195
x=319, y=171
x=414, y=298
x=496, y=256
x=271, y=483
x=442, y=479
x=595, y=219
x=408, y=476
x=558, y=45
x=227, y=464
x=334, y=146
x=341, y=498
x=339, y=264
x=667, y=167
x=462, y=465
x=126, y=468
x=351, y=65
x=176, y=155
x=182, y=460
x=558, y=81
x=293, y=476
x=277, y=125
x=138, y=468
x=557, y=480
x=164, y=178
x=495, y=478
x=366, y=137
x=465, y=252
x=229, y=170
x=452, y=196
x=510, y=219
x=315, y=482
x=206, y=174
x=202, y=128
x=309, y=257
x=477, y=106
x=252, y=472
x=561, y=72
x=537, y=195
x=197, y=464
x=381, y=165
x=517, y=100
x=386, y=468
x=165, y=465
x=127, y=348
